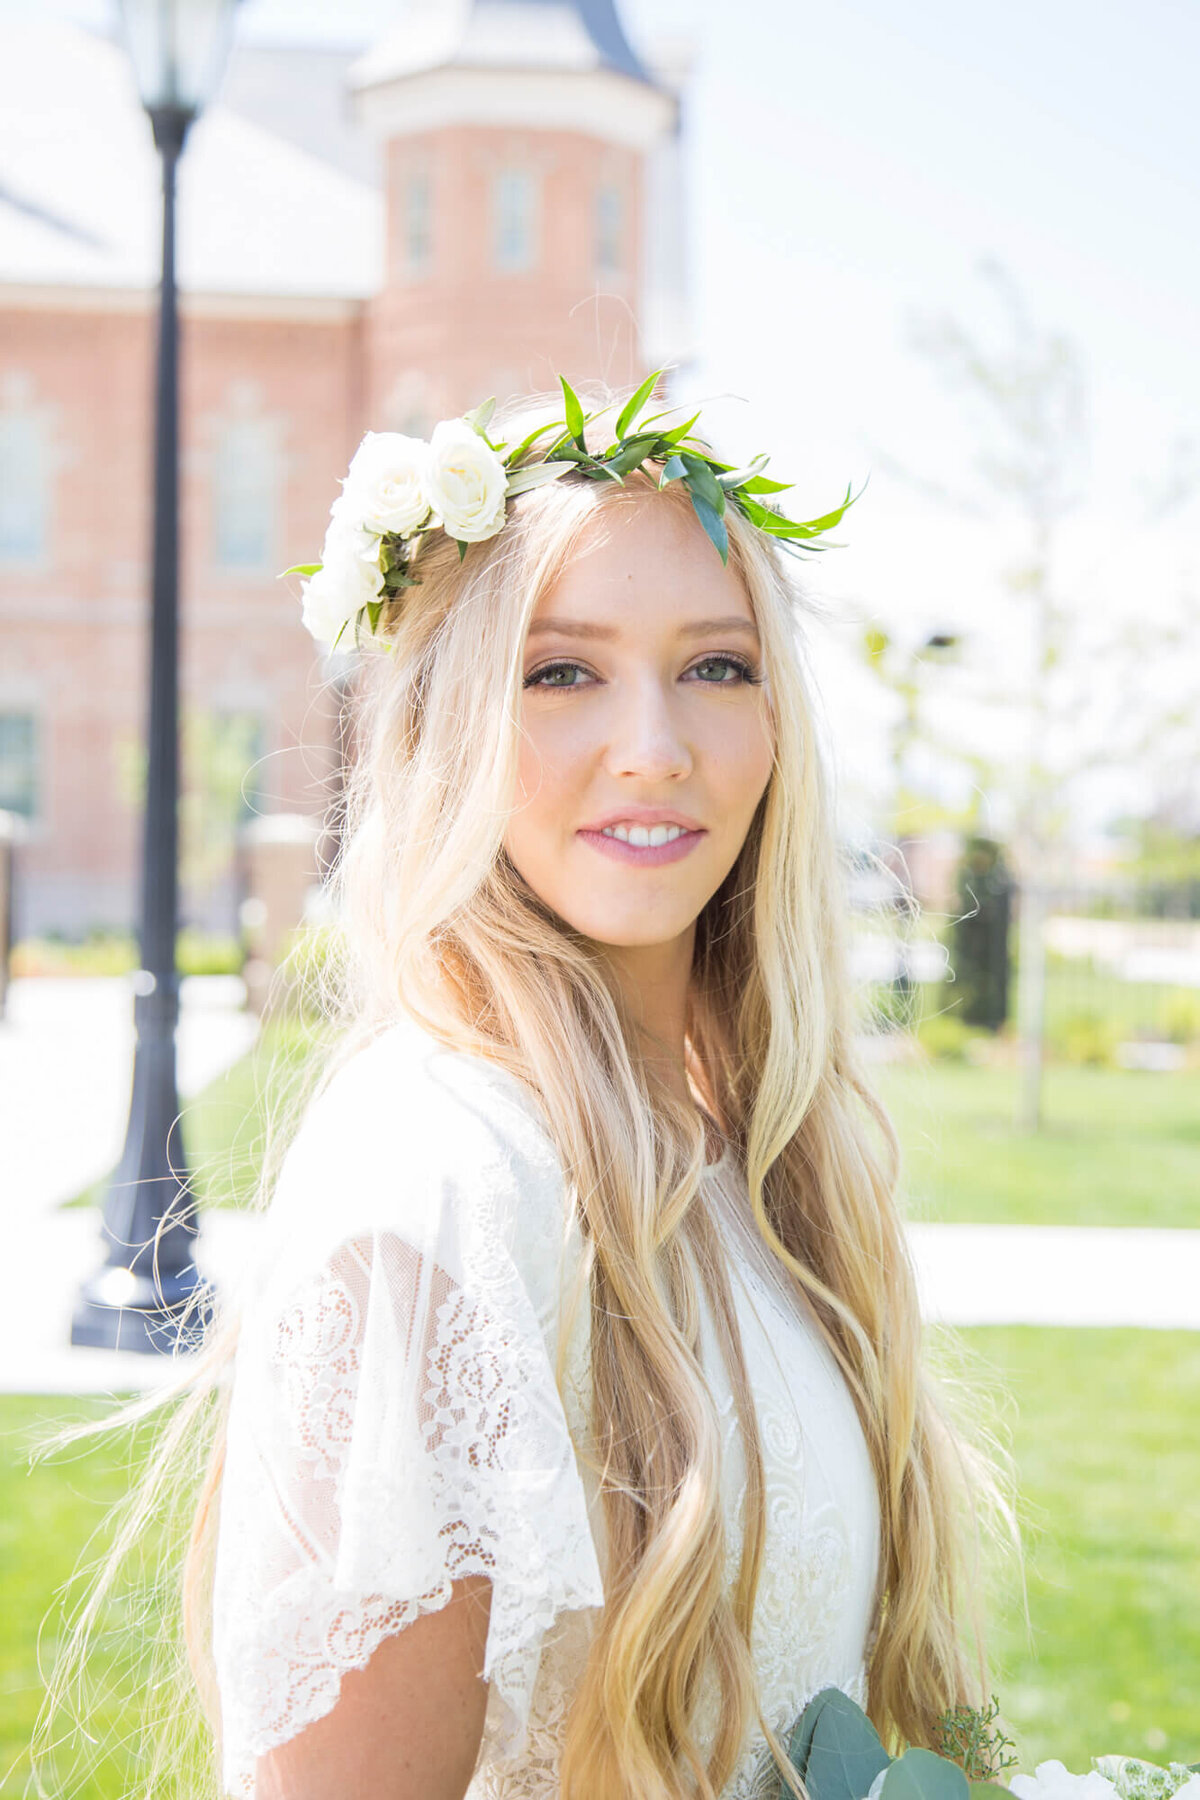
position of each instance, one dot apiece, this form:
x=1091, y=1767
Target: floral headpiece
x=460, y=482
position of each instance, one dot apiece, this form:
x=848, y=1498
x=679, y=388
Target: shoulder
x=410, y=1136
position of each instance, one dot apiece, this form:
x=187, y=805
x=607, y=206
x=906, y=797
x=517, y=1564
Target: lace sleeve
x=395, y=1426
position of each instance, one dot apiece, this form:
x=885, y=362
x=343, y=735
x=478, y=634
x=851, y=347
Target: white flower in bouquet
x=1054, y=1781
x=467, y=482
x=349, y=578
x=385, y=489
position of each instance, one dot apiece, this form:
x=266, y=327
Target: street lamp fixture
x=148, y=1295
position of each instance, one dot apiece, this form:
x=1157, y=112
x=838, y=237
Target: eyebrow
x=584, y=629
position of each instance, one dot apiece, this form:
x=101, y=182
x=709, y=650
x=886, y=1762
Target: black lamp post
x=147, y=1294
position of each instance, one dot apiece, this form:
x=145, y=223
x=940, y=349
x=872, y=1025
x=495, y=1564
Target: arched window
x=24, y=484
x=416, y=224
x=610, y=231
x=515, y=221
x=246, y=472
x=19, y=763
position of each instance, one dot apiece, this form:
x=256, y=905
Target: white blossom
x=1054, y=1781
x=348, y=578
x=467, y=482
x=385, y=489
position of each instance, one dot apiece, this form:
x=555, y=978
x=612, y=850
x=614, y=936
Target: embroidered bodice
x=395, y=1425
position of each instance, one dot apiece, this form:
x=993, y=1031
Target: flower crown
x=460, y=482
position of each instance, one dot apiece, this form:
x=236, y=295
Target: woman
x=579, y=1432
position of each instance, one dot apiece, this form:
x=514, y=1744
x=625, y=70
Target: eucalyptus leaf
x=672, y=470
x=711, y=520
x=308, y=570
x=845, y=1752
x=633, y=406
x=536, y=475
x=920, y=1775
x=701, y=480
x=800, y=1742
x=575, y=419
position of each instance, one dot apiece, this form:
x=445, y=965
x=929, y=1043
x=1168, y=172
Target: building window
x=18, y=764
x=24, y=487
x=245, y=494
x=515, y=206
x=417, y=223
x=610, y=231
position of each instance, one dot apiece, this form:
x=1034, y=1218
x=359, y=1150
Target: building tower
x=515, y=137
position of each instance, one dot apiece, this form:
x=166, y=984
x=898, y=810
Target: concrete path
x=65, y=1055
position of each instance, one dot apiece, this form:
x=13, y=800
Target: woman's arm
x=407, y=1726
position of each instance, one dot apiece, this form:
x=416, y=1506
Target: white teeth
x=643, y=836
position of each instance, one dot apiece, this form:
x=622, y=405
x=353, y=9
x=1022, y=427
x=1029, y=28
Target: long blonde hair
x=440, y=925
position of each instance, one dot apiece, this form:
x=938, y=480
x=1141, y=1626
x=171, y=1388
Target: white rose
x=348, y=578
x=467, y=482
x=1054, y=1781
x=385, y=489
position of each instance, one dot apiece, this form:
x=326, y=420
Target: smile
x=647, y=846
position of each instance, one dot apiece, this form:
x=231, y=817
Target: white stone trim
x=600, y=104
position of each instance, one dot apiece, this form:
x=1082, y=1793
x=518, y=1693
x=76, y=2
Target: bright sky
x=848, y=168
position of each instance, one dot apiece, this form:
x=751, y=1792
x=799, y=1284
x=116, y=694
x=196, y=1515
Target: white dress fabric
x=395, y=1425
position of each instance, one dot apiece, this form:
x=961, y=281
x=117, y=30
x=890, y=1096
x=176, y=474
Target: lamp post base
x=121, y=1309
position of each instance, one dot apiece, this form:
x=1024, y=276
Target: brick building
x=486, y=196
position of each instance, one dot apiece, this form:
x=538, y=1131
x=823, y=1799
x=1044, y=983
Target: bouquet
x=839, y=1755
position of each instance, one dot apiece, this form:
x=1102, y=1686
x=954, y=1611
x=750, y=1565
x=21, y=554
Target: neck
x=653, y=979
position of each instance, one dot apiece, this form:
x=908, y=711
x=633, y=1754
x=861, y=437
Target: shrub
x=946, y=1037
x=1087, y=1039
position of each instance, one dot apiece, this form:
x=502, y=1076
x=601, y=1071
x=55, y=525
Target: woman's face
x=644, y=719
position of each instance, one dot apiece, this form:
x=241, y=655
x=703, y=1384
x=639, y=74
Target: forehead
x=643, y=565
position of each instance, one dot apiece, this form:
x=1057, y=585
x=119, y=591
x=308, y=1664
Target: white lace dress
x=395, y=1425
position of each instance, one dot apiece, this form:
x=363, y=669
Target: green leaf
x=673, y=469
x=575, y=418
x=800, y=1743
x=462, y=548
x=731, y=478
x=536, y=475
x=702, y=481
x=986, y=1790
x=526, y=444
x=677, y=435
x=306, y=569
x=762, y=484
x=633, y=406
x=844, y=1751
x=480, y=417
x=711, y=520
x=374, y=608
x=920, y=1775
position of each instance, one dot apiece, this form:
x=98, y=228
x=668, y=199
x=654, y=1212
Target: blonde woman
x=578, y=1429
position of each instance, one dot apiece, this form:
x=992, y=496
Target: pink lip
x=642, y=856
x=644, y=815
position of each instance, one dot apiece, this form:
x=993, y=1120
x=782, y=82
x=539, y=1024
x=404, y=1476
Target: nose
x=646, y=739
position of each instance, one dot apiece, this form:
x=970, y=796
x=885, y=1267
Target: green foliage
x=946, y=1037
x=1086, y=1039
x=116, y=953
x=980, y=938
x=972, y=1737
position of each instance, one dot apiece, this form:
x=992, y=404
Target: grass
x=1118, y=1148
x=1109, y=1468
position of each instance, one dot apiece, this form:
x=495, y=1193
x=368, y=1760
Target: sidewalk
x=65, y=1056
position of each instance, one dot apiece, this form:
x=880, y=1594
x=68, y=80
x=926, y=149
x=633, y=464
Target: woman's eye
x=729, y=671
x=555, y=675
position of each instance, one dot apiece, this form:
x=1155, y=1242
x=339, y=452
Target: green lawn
x=1109, y=1465
x=1117, y=1149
